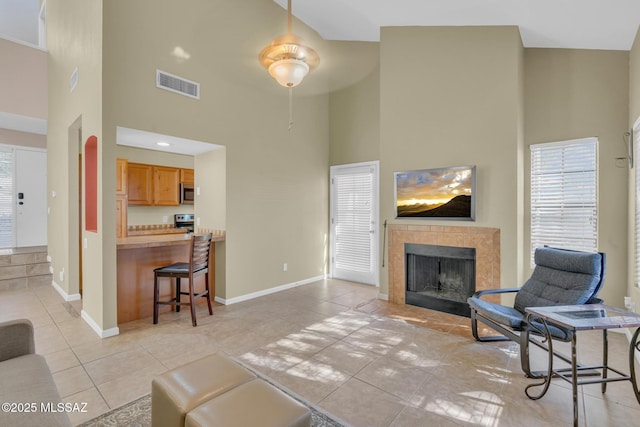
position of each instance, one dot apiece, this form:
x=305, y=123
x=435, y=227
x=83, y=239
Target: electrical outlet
x=165, y=219
x=61, y=275
x=198, y=222
x=285, y=267
x=629, y=304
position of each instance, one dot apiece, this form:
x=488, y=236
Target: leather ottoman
x=255, y=403
x=178, y=391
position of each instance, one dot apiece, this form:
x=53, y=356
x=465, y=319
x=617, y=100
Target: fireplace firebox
x=440, y=277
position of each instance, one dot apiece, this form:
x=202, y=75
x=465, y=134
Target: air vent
x=177, y=84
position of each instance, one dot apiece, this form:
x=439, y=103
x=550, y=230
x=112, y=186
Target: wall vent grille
x=177, y=84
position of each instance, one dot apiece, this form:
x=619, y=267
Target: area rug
x=138, y=412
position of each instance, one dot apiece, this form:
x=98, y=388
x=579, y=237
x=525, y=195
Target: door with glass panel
x=354, y=222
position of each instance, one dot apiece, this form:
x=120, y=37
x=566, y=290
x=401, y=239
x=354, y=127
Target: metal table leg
x=633, y=346
x=605, y=359
x=546, y=378
x=574, y=379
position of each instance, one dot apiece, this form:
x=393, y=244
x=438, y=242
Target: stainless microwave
x=187, y=194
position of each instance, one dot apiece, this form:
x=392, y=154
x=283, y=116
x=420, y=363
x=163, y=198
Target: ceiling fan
x=288, y=58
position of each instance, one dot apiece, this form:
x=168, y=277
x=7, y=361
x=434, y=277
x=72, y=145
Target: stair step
x=24, y=267
x=23, y=258
x=26, y=270
x=19, y=283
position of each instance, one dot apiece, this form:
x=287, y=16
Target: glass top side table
x=582, y=318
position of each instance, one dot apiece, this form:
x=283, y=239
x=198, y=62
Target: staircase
x=22, y=268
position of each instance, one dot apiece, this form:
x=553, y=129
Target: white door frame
x=375, y=223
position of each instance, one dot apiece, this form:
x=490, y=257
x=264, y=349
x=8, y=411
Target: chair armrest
x=494, y=291
x=16, y=339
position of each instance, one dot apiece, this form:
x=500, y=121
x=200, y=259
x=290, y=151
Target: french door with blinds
x=354, y=222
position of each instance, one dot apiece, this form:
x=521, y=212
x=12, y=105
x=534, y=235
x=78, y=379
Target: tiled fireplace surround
x=486, y=242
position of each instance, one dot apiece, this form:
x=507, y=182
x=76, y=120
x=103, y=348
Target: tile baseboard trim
x=97, y=329
x=253, y=295
x=64, y=294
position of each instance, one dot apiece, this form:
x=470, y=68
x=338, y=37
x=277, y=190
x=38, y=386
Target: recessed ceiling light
x=163, y=144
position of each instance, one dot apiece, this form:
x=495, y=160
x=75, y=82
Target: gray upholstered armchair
x=25, y=380
x=561, y=277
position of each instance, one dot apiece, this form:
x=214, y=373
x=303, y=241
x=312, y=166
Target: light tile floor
x=366, y=361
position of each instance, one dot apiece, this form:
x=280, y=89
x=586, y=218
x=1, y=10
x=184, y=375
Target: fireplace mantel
x=486, y=242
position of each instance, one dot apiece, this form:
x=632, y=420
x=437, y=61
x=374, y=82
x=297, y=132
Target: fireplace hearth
x=440, y=277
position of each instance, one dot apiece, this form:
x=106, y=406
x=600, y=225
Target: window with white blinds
x=564, y=196
x=636, y=166
x=352, y=220
x=6, y=197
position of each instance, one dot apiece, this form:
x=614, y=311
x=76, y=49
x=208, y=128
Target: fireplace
x=440, y=277
x=485, y=241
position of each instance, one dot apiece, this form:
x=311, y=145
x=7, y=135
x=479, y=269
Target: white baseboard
x=98, y=330
x=269, y=291
x=63, y=294
x=384, y=297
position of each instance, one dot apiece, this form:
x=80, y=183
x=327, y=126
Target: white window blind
x=564, y=182
x=6, y=197
x=636, y=166
x=352, y=220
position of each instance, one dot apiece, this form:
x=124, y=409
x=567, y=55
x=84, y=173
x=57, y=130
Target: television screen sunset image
x=435, y=193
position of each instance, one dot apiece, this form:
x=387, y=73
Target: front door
x=354, y=222
x=31, y=197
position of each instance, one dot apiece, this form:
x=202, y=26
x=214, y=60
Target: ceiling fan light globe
x=289, y=72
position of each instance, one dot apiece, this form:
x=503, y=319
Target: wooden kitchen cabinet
x=187, y=176
x=166, y=186
x=121, y=215
x=121, y=176
x=140, y=184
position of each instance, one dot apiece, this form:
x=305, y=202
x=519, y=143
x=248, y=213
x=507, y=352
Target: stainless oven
x=187, y=194
x=183, y=221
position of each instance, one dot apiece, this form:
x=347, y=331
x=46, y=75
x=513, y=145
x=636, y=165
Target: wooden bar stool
x=198, y=265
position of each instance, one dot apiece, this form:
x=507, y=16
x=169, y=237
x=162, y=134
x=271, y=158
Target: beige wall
x=634, y=115
x=634, y=80
x=74, y=39
x=276, y=180
x=25, y=139
x=211, y=205
x=23, y=80
x=451, y=96
x=573, y=94
x=355, y=121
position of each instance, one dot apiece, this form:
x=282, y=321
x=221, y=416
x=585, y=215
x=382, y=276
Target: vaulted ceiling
x=579, y=24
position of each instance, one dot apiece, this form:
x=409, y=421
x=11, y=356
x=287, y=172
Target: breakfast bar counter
x=138, y=256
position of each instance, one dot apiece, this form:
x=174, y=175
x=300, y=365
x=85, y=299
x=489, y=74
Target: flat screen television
x=442, y=193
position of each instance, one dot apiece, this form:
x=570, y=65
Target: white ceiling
x=19, y=20
x=579, y=24
x=148, y=140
